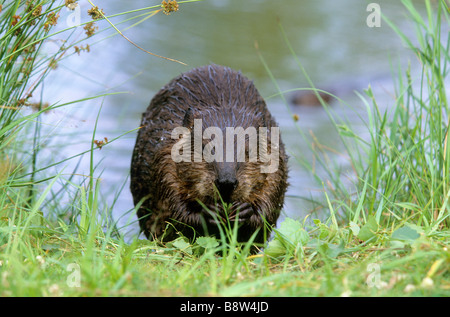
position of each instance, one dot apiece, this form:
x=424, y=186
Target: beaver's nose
x=226, y=186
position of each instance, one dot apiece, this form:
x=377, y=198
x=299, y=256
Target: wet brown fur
x=167, y=193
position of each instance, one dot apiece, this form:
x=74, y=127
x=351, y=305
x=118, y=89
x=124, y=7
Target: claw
x=242, y=212
x=236, y=211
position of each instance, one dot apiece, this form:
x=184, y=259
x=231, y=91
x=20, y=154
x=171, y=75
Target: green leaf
x=207, y=242
x=292, y=231
x=332, y=250
x=288, y=237
x=323, y=229
x=355, y=228
x=405, y=233
x=275, y=248
x=369, y=229
x=182, y=245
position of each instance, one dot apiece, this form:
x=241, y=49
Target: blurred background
x=330, y=38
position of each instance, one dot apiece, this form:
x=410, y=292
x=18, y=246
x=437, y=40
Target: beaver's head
x=224, y=162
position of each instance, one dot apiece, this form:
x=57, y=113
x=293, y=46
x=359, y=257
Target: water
x=330, y=38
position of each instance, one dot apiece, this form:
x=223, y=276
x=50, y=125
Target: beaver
x=336, y=90
x=309, y=98
x=176, y=189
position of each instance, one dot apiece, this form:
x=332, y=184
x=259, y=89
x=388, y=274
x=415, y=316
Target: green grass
x=386, y=235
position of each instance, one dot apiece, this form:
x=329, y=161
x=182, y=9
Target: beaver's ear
x=188, y=121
